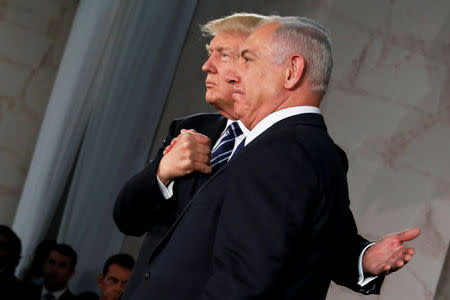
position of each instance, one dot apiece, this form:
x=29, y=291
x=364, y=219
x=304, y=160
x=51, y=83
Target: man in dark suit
x=141, y=207
x=58, y=269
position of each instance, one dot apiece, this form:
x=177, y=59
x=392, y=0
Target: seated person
x=33, y=276
x=116, y=272
x=58, y=269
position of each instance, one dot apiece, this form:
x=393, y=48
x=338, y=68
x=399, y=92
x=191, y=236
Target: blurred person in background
x=10, y=248
x=115, y=275
x=58, y=269
x=34, y=275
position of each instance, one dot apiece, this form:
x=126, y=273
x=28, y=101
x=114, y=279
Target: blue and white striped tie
x=222, y=152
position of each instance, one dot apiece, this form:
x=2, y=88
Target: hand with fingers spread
x=188, y=152
x=389, y=254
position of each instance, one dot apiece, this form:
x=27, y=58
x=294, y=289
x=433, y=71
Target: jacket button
x=147, y=275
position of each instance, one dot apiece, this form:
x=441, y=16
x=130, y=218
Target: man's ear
x=294, y=72
x=100, y=280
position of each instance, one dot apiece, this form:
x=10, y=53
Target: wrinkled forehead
x=227, y=40
x=57, y=256
x=259, y=42
x=262, y=35
x=118, y=270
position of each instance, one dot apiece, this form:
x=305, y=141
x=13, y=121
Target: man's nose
x=232, y=78
x=52, y=267
x=208, y=66
x=121, y=287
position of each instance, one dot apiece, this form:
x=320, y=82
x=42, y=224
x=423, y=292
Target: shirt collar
x=57, y=294
x=277, y=116
x=244, y=129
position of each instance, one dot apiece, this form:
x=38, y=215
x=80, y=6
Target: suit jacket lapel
x=214, y=129
x=307, y=119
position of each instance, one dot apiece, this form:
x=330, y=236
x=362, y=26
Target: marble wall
x=32, y=38
x=388, y=107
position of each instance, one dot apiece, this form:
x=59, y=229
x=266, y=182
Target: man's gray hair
x=244, y=23
x=309, y=39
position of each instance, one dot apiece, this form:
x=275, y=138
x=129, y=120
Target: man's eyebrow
x=218, y=48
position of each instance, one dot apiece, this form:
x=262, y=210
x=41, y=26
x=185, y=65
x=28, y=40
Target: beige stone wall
x=33, y=34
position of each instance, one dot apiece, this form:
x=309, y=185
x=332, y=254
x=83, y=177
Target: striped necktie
x=239, y=147
x=222, y=152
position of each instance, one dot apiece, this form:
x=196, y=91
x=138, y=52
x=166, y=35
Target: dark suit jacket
x=13, y=289
x=67, y=296
x=35, y=294
x=140, y=208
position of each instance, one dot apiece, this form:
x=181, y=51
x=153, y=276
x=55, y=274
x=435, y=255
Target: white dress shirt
x=57, y=294
x=277, y=116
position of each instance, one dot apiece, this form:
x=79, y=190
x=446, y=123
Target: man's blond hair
x=244, y=23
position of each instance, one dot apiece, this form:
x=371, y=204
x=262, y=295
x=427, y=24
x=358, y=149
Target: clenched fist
x=189, y=152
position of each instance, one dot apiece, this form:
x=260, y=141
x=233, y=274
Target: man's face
x=258, y=86
x=57, y=271
x=223, y=54
x=113, y=283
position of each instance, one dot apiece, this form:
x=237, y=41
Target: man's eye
x=225, y=57
x=113, y=280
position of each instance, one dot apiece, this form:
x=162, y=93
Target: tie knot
x=234, y=130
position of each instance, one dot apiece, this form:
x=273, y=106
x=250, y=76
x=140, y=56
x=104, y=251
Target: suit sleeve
x=140, y=203
x=347, y=271
x=259, y=226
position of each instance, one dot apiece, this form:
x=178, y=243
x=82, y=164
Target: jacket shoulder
x=205, y=123
x=200, y=118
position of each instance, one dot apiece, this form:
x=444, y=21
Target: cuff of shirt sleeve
x=167, y=192
x=362, y=280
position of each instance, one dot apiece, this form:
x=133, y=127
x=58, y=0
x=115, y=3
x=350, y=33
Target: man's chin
x=113, y=298
x=214, y=101
x=237, y=98
x=231, y=115
x=210, y=98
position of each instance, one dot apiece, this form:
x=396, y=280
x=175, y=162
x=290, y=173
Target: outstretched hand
x=389, y=254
